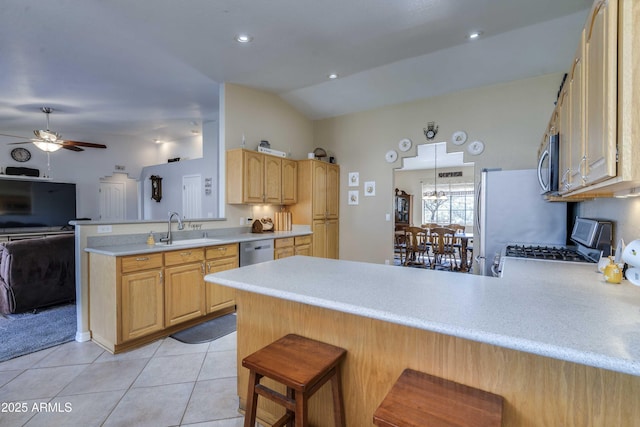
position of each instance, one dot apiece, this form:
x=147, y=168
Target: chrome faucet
x=167, y=239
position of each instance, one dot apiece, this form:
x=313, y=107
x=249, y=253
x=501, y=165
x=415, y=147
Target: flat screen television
x=27, y=204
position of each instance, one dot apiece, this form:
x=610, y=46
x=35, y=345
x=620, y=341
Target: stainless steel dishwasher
x=256, y=251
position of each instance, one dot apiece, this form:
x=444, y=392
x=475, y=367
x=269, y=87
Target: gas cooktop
x=546, y=252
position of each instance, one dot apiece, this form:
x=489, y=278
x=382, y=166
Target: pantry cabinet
x=257, y=178
x=318, y=205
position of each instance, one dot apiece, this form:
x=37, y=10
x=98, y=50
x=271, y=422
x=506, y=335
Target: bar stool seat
x=419, y=399
x=303, y=366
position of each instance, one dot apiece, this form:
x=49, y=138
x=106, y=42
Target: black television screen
x=36, y=203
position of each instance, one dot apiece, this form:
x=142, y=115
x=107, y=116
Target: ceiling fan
x=51, y=141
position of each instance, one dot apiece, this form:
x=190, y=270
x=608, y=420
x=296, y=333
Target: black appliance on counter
x=593, y=239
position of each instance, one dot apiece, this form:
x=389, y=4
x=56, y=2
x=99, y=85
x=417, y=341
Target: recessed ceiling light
x=333, y=76
x=474, y=35
x=243, y=38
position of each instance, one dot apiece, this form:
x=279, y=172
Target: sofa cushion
x=36, y=273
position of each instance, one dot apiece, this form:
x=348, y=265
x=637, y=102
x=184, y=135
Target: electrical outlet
x=387, y=217
x=105, y=229
x=249, y=221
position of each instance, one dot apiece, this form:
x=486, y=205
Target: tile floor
x=166, y=383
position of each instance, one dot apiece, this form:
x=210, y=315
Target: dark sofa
x=36, y=273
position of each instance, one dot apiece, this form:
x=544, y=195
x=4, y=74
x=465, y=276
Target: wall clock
x=404, y=144
x=20, y=154
x=391, y=156
x=475, y=148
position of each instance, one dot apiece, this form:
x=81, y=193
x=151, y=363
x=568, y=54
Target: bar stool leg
x=338, y=404
x=301, y=410
x=250, y=410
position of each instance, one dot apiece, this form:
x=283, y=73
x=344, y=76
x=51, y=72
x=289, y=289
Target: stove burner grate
x=545, y=252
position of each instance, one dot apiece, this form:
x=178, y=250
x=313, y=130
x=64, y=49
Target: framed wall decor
x=354, y=179
x=353, y=197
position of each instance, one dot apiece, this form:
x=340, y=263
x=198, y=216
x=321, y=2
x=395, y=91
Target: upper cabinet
x=596, y=114
x=254, y=177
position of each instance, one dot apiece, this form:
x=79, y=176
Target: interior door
x=112, y=196
x=192, y=196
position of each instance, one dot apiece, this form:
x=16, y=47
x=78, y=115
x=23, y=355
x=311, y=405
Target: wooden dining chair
x=442, y=241
x=416, y=243
x=400, y=246
x=457, y=244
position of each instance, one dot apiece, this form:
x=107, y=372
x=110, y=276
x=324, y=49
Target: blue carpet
x=26, y=333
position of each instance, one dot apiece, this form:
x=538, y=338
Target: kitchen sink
x=198, y=241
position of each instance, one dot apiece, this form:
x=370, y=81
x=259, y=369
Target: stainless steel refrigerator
x=511, y=210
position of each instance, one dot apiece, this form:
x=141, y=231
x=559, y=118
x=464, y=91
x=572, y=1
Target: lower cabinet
x=290, y=246
x=184, y=296
x=142, y=303
x=220, y=258
x=138, y=298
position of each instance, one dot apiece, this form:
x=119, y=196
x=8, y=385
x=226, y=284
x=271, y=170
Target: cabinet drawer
x=222, y=251
x=141, y=262
x=303, y=240
x=284, y=243
x=183, y=256
x=283, y=253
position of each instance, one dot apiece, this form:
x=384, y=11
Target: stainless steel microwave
x=548, y=165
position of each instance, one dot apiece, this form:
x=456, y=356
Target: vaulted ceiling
x=138, y=70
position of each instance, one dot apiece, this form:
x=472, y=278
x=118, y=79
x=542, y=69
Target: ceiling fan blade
x=83, y=144
x=13, y=136
x=72, y=147
x=16, y=143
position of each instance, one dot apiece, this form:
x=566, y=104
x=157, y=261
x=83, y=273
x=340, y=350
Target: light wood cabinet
x=220, y=258
x=302, y=245
x=318, y=205
x=254, y=177
x=290, y=246
x=138, y=298
x=184, y=294
x=142, y=307
x=600, y=65
x=599, y=124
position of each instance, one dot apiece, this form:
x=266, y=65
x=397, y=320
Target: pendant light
x=434, y=195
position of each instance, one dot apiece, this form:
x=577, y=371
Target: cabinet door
x=289, y=182
x=142, y=301
x=600, y=91
x=564, y=120
x=319, y=229
x=219, y=297
x=184, y=293
x=332, y=239
x=283, y=252
x=253, y=186
x=576, y=94
x=303, y=250
x=319, y=190
x=333, y=190
x=272, y=179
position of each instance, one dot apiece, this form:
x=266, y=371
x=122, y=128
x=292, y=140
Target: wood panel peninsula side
x=560, y=345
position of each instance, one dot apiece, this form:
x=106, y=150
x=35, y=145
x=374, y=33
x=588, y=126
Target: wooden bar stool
x=419, y=399
x=303, y=366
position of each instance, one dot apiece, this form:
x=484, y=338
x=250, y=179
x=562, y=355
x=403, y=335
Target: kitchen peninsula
x=560, y=345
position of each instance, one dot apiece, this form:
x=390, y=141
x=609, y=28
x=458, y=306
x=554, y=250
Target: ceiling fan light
x=47, y=135
x=49, y=147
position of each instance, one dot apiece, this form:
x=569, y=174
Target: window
x=456, y=207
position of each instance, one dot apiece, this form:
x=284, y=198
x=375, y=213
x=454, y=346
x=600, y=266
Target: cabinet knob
x=185, y=253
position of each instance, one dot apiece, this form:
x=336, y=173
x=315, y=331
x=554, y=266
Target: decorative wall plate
x=20, y=154
x=404, y=144
x=459, y=137
x=391, y=156
x=475, y=148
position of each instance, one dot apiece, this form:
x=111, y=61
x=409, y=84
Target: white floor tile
x=40, y=383
x=212, y=400
x=219, y=364
x=106, y=376
x=171, y=370
x=86, y=410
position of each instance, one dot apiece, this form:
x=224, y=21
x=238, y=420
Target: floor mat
x=207, y=331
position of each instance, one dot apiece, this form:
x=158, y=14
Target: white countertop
x=561, y=310
x=142, y=248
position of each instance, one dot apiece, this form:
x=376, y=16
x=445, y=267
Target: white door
x=112, y=196
x=192, y=196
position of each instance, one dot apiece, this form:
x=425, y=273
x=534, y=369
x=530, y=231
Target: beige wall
x=261, y=115
x=624, y=212
x=509, y=118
